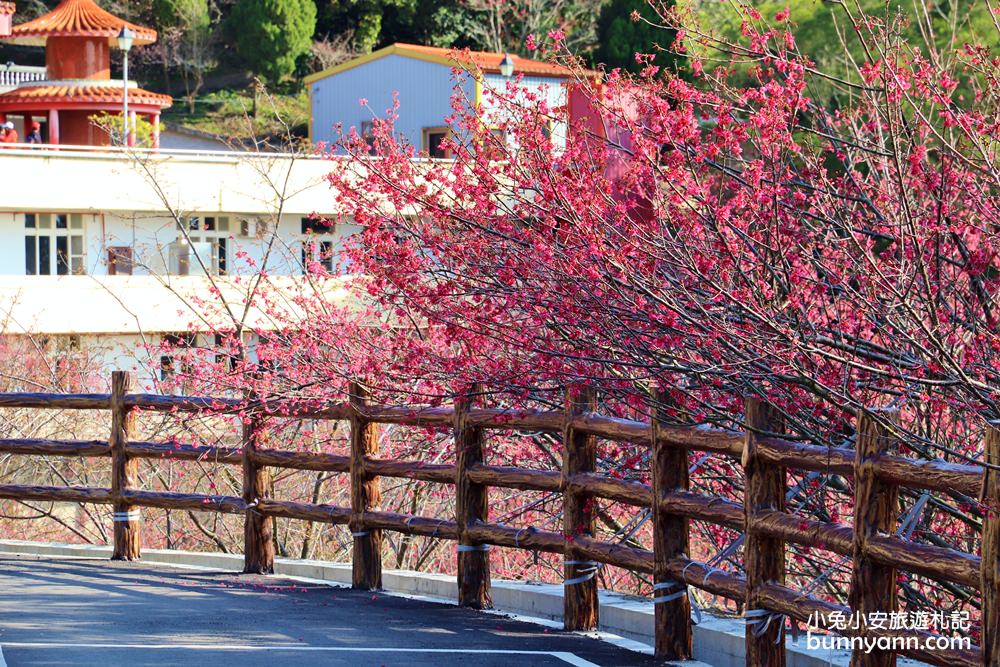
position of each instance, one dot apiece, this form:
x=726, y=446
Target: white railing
x=134, y=152
x=118, y=152
x=12, y=76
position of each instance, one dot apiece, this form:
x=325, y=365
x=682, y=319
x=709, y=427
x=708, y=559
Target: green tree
x=505, y=25
x=188, y=44
x=445, y=23
x=365, y=19
x=619, y=37
x=112, y=124
x=824, y=31
x=181, y=14
x=489, y=25
x=270, y=35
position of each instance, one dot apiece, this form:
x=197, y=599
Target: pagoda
x=78, y=37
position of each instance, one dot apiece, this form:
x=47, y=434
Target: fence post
x=124, y=472
x=764, y=557
x=876, y=506
x=471, y=507
x=672, y=620
x=365, y=495
x=990, y=573
x=258, y=541
x=579, y=455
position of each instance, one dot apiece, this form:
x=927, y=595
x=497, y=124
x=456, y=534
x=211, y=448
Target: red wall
x=78, y=58
x=75, y=127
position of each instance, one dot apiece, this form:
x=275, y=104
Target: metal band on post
x=588, y=569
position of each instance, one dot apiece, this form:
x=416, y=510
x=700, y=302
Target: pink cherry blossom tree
x=717, y=236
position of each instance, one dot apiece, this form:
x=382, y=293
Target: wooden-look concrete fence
x=876, y=552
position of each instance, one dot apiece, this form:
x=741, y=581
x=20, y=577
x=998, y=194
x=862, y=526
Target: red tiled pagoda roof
x=7, y=7
x=84, y=94
x=77, y=18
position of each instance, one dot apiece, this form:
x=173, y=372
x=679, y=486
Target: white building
x=92, y=211
x=111, y=247
x=423, y=77
x=115, y=249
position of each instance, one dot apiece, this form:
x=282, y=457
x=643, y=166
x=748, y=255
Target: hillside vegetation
x=212, y=53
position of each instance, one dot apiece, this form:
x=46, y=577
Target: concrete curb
x=625, y=620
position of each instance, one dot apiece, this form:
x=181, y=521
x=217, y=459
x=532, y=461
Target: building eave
x=414, y=52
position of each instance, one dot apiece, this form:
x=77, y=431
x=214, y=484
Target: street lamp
x=507, y=65
x=125, y=38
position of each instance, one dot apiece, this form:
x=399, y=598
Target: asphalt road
x=94, y=612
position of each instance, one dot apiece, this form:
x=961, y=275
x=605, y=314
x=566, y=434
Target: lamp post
x=125, y=38
x=507, y=65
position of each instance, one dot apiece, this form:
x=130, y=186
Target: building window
x=368, y=134
x=317, y=252
x=70, y=343
x=179, y=263
x=317, y=246
x=209, y=237
x=224, y=357
x=119, y=261
x=59, y=344
x=252, y=228
x=166, y=368
x=548, y=129
x=317, y=226
x=69, y=363
x=434, y=142
x=53, y=244
x=178, y=341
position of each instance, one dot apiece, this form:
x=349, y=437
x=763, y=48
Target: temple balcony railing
x=12, y=76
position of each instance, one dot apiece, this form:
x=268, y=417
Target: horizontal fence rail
x=876, y=553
